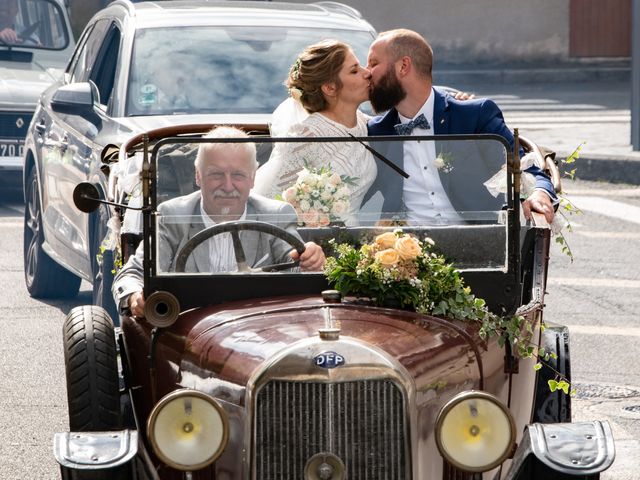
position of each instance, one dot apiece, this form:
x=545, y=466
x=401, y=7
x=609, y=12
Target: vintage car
x=140, y=66
x=38, y=43
x=266, y=372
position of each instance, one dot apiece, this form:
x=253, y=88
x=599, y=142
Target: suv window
x=87, y=53
x=104, y=70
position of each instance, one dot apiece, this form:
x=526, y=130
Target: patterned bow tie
x=407, y=128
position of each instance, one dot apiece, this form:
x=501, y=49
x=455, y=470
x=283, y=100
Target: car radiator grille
x=363, y=423
x=14, y=124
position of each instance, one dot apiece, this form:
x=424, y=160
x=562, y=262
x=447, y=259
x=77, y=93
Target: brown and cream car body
x=275, y=376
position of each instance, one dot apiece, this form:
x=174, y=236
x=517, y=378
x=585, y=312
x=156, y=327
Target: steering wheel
x=28, y=31
x=234, y=227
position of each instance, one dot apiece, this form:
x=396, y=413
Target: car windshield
x=329, y=191
x=33, y=24
x=220, y=69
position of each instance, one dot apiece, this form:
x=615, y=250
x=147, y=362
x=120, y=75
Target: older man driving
x=225, y=173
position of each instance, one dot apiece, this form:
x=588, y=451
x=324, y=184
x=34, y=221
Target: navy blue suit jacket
x=450, y=117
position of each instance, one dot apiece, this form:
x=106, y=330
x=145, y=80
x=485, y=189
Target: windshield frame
x=190, y=289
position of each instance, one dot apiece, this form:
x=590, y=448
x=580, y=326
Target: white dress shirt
x=423, y=194
x=221, y=252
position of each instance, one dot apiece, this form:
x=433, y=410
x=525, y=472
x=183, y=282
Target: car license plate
x=11, y=147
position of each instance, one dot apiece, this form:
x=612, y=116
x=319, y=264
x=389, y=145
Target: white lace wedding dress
x=348, y=158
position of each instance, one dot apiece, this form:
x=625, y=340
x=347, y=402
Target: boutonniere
x=444, y=162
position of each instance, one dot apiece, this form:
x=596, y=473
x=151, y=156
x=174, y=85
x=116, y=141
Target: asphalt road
x=597, y=296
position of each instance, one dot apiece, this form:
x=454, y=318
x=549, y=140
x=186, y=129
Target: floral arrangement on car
x=398, y=270
x=319, y=196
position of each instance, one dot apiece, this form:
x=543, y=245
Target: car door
x=71, y=150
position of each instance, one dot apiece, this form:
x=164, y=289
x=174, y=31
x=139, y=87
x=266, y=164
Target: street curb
x=531, y=75
x=618, y=169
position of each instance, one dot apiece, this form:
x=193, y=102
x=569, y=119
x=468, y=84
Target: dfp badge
x=328, y=360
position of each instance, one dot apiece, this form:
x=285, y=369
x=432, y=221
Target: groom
x=400, y=62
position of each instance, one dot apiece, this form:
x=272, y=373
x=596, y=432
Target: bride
x=327, y=85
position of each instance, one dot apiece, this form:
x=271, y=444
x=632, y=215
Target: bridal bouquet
x=319, y=196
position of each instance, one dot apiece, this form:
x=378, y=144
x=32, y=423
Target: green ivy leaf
x=553, y=385
x=537, y=366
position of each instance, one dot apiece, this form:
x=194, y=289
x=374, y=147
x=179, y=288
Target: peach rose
x=323, y=219
x=339, y=207
x=407, y=247
x=388, y=257
x=289, y=194
x=310, y=219
x=386, y=240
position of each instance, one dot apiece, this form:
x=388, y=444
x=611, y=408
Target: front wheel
x=44, y=277
x=91, y=367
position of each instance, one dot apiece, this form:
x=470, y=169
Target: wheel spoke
x=241, y=258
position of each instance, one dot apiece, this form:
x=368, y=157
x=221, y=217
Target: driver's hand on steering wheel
x=136, y=304
x=8, y=35
x=312, y=259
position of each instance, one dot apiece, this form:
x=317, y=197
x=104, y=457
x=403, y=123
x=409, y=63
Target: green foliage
x=566, y=208
x=428, y=284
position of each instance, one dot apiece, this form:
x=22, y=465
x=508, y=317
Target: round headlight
x=188, y=430
x=475, y=431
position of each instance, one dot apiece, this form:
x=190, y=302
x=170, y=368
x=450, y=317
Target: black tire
x=102, y=268
x=91, y=367
x=44, y=277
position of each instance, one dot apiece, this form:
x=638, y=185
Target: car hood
x=238, y=344
x=143, y=124
x=22, y=84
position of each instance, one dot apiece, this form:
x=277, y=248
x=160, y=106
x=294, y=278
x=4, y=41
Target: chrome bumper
x=118, y=454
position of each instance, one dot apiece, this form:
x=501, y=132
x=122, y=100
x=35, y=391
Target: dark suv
x=143, y=66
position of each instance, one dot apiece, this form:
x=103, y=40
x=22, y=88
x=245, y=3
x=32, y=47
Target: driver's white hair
x=210, y=148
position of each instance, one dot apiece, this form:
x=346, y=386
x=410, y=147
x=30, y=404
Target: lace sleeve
x=286, y=160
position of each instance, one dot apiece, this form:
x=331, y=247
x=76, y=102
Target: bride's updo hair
x=318, y=64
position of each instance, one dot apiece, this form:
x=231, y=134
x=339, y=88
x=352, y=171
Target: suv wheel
x=44, y=277
x=91, y=367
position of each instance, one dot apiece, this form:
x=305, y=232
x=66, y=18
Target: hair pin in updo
x=295, y=69
x=295, y=93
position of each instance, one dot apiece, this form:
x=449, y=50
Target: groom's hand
x=540, y=202
x=312, y=259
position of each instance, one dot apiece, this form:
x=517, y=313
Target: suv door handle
x=40, y=127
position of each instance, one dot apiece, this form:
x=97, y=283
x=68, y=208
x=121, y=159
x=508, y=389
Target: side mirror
x=86, y=197
x=76, y=99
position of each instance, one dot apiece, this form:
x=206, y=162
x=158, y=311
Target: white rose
x=343, y=192
x=305, y=176
x=326, y=196
x=335, y=179
x=305, y=206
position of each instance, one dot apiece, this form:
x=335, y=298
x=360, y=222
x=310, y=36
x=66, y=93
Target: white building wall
x=478, y=30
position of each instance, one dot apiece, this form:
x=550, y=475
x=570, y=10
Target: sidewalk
x=562, y=107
